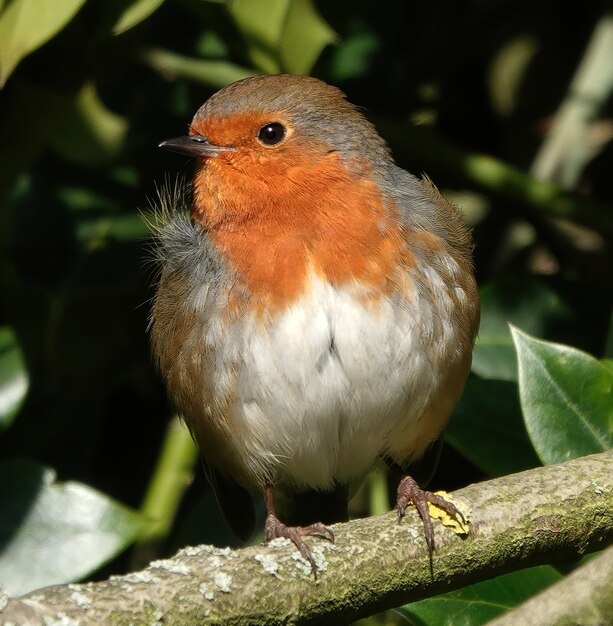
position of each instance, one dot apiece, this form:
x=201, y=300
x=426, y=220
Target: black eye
x=271, y=134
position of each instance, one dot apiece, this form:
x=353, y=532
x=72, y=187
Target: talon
x=317, y=529
x=449, y=507
x=275, y=528
x=401, y=506
x=410, y=491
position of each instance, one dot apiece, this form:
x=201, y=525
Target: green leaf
x=212, y=45
x=487, y=428
x=524, y=301
x=261, y=23
x=213, y=73
x=304, y=36
x=135, y=13
x=480, y=603
x=98, y=231
x=25, y=25
x=354, y=56
x=93, y=134
x=566, y=398
x=282, y=35
x=14, y=380
x=54, y=533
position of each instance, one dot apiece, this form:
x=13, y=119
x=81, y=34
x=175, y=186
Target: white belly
x=320, y=391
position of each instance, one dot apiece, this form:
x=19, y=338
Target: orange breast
x=278, y=224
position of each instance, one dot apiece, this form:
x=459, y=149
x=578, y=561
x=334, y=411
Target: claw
x=275, y=528
x=410, y=491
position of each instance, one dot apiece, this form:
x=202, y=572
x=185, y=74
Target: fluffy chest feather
x=313, y=394
x=317, y=390
x=309, y=390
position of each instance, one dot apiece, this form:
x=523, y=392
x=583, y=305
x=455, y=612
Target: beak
x=194, y=146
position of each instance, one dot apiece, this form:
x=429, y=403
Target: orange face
x=277, y=211
x=253, y=173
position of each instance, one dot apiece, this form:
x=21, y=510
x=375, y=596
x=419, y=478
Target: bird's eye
x=271, y=134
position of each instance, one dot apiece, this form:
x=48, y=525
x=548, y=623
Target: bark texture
x=584, y=598
x=539, y=516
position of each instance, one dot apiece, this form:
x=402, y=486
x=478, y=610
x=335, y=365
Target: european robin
x=316, y=309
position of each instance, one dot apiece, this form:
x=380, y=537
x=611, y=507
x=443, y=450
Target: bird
x=316, y=308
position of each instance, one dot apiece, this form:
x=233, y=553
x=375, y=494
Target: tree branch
x=539, y=516
x=584, y=597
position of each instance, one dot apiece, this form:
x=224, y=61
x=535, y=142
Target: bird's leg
x=274, y=527
x=410, y=491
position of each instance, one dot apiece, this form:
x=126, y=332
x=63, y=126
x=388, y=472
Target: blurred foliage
x=56, y=532
x=480, y=603
x=467, y=91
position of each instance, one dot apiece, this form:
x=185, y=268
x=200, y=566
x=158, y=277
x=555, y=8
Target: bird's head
x=267, y=139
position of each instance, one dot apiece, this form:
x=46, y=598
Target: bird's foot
x=410, y=492
x=274, y=528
